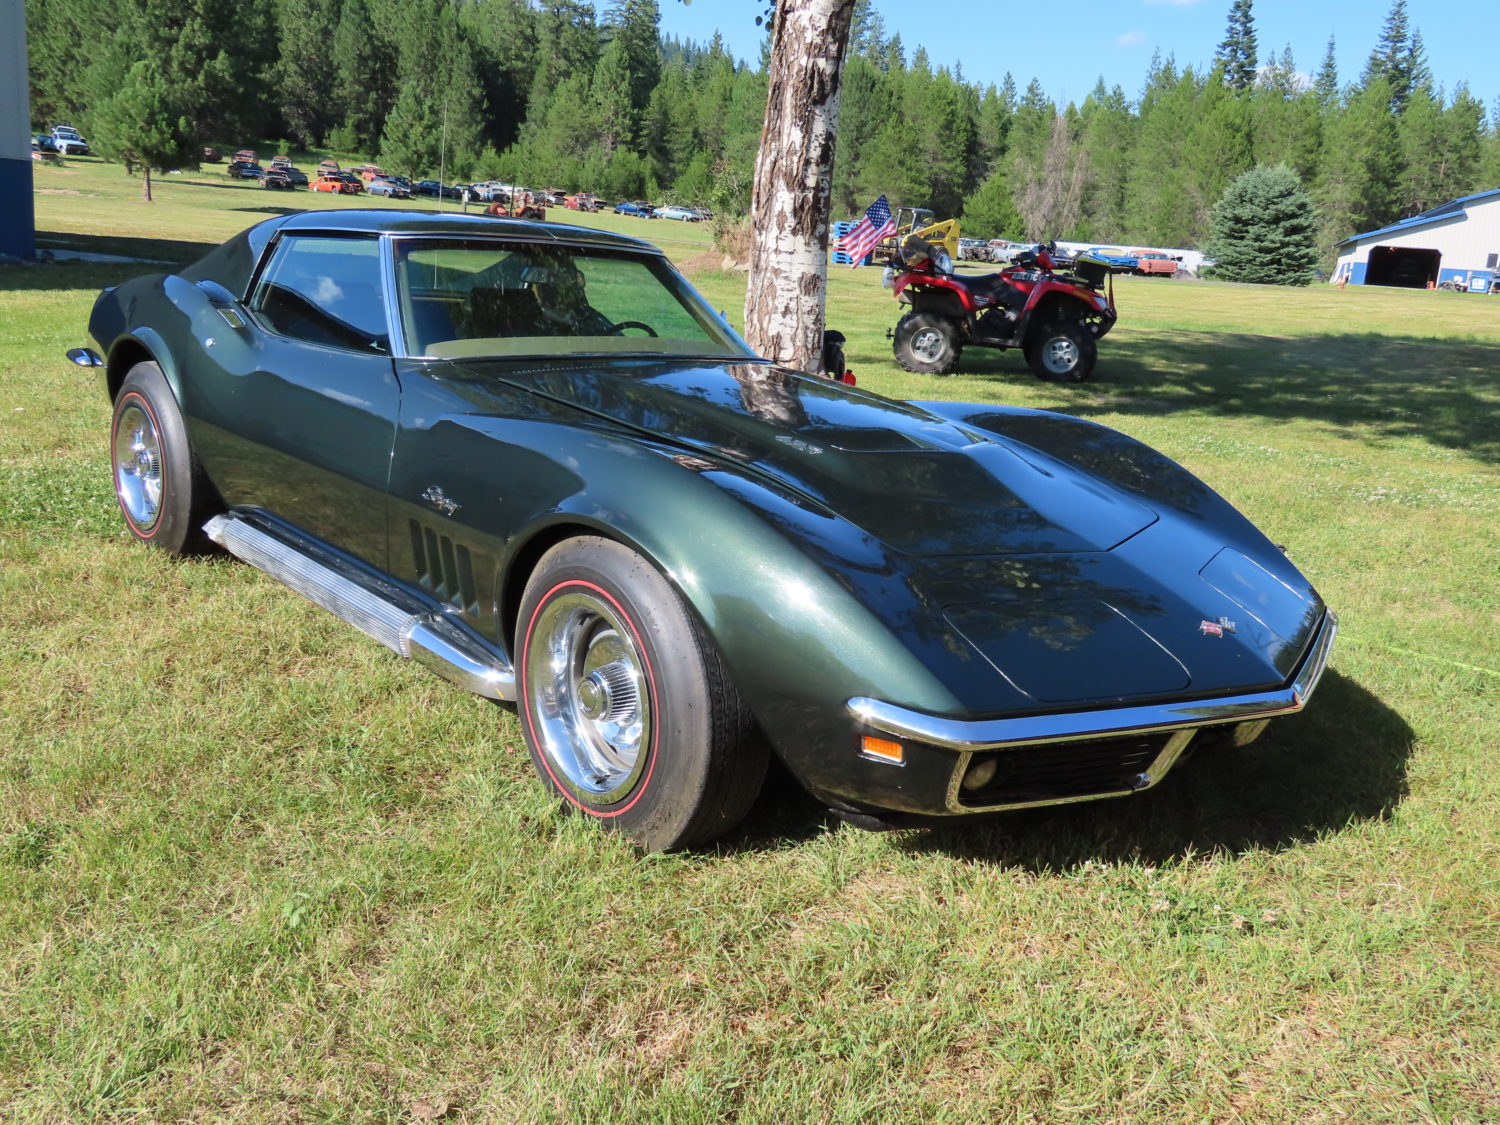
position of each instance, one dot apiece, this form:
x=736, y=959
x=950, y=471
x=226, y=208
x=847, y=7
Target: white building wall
x=1465, y=241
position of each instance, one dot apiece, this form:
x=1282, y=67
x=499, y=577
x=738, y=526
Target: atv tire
x=1062, y=351
x=927, y=344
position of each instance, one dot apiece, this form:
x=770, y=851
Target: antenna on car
x=443, y=156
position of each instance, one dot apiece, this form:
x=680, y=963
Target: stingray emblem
x=1216, y=628
x=434, y=496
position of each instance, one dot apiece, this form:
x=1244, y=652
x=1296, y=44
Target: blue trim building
x=17, y=217
x=1455, y=246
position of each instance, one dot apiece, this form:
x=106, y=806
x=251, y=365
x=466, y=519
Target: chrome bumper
x=1250, y=714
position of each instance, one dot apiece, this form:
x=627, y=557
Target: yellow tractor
x=918, y=221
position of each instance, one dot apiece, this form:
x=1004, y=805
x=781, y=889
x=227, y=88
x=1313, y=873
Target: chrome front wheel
x=591, y=702
x=164, y=494
x=137, y=461
x=626, y=707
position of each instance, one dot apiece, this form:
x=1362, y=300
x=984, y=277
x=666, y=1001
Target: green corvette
x=531, y=458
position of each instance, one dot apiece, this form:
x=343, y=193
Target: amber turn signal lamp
x=882, y=750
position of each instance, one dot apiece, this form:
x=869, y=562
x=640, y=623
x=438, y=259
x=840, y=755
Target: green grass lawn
x=255, y=868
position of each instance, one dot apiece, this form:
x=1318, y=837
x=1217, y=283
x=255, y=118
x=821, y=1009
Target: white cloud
x=1131, y=39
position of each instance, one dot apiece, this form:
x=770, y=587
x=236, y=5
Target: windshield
x=488, y=297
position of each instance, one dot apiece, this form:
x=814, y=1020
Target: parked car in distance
x=542, y=466
x=368, y=172
x=443, y=191
x=389, y=189
x=328, y=167
x=1111, y=256
x=68, y=141
x=353, y=183
x=247, y=156
x=43, y=142
x=337, y=185
x=281, y=161
x=1154, y=263
x=296, y=175
x=243, y=170
x=684, y=214
x=582, y=201
x=278, y=179
x=1003, y=250
x=638, y=207
x=210, y=155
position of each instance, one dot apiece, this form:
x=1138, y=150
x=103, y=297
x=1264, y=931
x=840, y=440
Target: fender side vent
x=445, y=569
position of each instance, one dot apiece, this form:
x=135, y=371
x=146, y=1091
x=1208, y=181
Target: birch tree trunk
x=789, y=208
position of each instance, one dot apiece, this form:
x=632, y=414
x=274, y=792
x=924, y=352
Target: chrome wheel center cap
x=593, y=696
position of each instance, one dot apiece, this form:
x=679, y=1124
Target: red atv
x=1056, y=318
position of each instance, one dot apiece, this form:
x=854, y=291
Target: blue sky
x=1067, y=45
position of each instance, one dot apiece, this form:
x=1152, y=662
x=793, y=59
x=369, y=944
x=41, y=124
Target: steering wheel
x=619, y=329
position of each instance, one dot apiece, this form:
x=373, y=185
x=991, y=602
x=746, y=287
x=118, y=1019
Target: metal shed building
x=1457, y=245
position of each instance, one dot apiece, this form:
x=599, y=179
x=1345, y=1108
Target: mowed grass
x=255, y=868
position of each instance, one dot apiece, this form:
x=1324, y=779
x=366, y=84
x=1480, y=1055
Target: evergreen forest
x=567, y=94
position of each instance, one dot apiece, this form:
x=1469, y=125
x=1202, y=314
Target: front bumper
x=1085, y=755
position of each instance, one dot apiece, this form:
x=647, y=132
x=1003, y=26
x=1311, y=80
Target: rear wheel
x=1062, y=351
x=627, y=709
x=927, y=344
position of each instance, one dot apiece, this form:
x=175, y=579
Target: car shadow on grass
x=1341, y=762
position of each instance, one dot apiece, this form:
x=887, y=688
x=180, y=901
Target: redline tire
x=627, y=710
x=163, y=494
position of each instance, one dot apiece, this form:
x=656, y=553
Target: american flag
x=866, y=234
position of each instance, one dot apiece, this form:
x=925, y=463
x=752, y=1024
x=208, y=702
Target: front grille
x=1065, y=770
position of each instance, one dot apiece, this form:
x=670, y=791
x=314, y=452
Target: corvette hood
x=922, y=484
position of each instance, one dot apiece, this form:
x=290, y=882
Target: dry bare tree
x=1051, y=200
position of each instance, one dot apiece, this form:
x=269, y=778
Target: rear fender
x=1051, y=301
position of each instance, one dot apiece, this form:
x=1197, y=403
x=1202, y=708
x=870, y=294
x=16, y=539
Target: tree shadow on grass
x=1363, y=384
x=157, y=255
x=269, y=210
x=1360, y=385
x=172, y=250
x=227, y=182
x=1342, y=761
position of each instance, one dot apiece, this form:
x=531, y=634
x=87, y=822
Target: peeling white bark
x=790, y=205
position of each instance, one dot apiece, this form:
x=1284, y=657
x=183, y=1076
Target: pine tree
x=1356, y=187
x=633, y=25
x=1159, y=189
x=305, y=29
x=1107, y=139
x=144, y=122
x=434, y=125
x=1264, y=229
x=1326, y=85
x=1397, y=59
x=1237, y=53
x=361, y=108
x=990, y=212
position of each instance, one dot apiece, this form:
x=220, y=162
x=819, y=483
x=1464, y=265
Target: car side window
x=326, y=291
